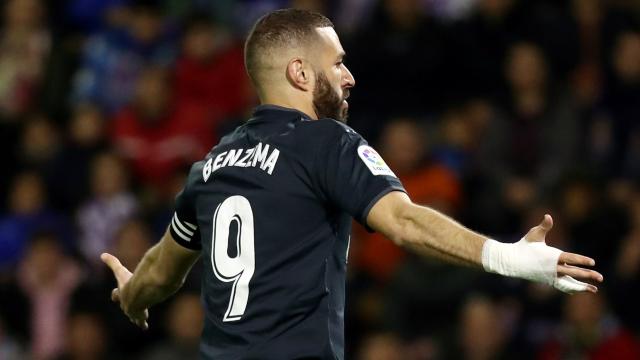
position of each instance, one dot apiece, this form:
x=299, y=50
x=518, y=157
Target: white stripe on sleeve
x=182, y=227
x=178, y=232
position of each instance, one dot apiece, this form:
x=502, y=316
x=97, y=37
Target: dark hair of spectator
x=151, y=7
x=197, y=21
x=44, y=236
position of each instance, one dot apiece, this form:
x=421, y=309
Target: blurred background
x=491, y=111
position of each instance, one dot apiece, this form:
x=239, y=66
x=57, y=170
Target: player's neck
x=300, y=106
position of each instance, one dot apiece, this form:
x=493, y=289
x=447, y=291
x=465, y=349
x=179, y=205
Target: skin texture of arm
x=160, y=273
x=431, y=233
x=425, y=230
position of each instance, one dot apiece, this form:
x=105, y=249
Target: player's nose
x=348, y=80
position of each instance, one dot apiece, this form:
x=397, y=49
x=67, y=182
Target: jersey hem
x=367, y=209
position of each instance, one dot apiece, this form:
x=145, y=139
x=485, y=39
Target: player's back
x=274, y=242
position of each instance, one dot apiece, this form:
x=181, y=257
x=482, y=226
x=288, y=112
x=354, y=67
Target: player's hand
x=570, y=267
x=122, y=275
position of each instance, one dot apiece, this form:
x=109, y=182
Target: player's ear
x=299, y=74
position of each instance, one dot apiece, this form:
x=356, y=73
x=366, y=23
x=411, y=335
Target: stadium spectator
x=404, y=147
x=47, y=277
x=455, y=143
x=544, y=130
x=9, y=348
x=86, y=128
x=184, y=324
x=132, y=241
x=485, y=37
x=157, y=134
x=590, y=217
x=482, y=332
x=89, y=16
x=381, y=346
x=109, y=207
x=587, y=76
x=598, y=145
x=533, y=141
x=85, y=138
x=24, y=46
x=399, y=30
x=27, y=213
x=621, y=99
x=86, y=338
x=40, y=147
x=589, y=332
x=406, y=304
x=210, y=72
x=114, y=58
x=625, y=279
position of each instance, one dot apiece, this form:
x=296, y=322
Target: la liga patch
x=374, y=161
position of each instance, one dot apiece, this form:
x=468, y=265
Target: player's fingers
x=579, y=273
x=140, y=320
x=111, y=261
x=115, y=295
x=570, y=285
x=145, y=324
x=141, y=324
x=119, y=271
x=538, y=233
x=575, y=259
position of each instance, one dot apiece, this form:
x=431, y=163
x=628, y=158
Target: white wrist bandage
x=533, y=261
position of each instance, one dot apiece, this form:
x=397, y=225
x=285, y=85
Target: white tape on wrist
x=533, y=261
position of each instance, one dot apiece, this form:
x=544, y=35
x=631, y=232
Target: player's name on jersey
x=261, y=155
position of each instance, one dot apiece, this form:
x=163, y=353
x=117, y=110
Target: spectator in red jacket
x=210, y=72
x=157, y=134
x=24, y=49
x=404, y=147
x=589, y=333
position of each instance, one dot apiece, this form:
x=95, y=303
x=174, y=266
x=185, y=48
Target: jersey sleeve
x=184, y=225
x=352, y=175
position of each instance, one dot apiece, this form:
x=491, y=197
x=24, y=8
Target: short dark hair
x=197, y=21
x=280, y=28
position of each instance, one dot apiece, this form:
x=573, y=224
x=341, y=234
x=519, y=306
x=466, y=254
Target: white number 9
x=239, y=269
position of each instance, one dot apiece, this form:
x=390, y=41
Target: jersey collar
x=270, y=112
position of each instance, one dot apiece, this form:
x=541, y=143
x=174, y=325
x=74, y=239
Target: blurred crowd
x=494, y=112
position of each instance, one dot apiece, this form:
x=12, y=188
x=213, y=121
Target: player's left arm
x=160, y=273
x=434, y=234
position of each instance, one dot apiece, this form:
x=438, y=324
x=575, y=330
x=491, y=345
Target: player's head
x=296, y=55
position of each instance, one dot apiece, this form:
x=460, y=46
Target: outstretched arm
x=431, y=233
x=160, y=273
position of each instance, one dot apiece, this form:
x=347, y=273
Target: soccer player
x=270, y=207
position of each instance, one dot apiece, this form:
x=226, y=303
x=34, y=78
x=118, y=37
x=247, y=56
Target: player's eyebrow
x=341, y=56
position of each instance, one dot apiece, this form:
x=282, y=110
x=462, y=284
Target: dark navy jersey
x=270, y=209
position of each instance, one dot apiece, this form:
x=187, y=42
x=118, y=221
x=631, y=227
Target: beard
x=326, y=101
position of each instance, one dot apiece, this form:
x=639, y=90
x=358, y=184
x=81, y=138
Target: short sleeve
x=184, y=224
x=353, y=176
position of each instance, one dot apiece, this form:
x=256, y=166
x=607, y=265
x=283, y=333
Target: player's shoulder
x=331, y=126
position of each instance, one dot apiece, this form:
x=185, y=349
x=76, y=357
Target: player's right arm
x=431, y=233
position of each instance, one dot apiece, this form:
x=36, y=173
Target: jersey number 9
x=238, y=269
